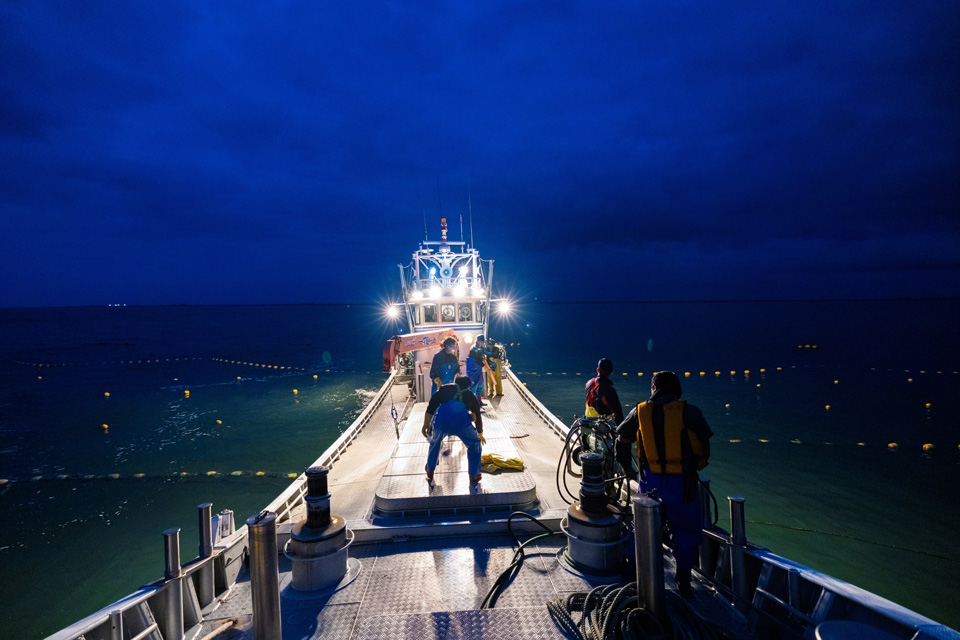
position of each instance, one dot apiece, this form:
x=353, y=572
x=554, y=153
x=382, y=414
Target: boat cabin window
x=446, y=310
x=466, y=312
x=429, y=313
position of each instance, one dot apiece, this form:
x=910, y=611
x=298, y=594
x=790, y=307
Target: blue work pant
x=684, y=519
x=467, y=434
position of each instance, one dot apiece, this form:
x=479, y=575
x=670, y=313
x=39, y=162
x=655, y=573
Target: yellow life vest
x=674, y=433
x=590, y=412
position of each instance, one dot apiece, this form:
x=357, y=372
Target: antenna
x=425, y=236
x=461, y=227
x=439, y=201
x=470, y=205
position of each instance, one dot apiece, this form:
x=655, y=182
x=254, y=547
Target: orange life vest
x=676, y=444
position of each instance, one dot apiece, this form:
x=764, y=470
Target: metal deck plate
x=530, y=623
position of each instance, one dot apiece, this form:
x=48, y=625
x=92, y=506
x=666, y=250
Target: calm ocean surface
x=821, y=485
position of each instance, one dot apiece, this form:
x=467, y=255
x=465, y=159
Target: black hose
x=490, y=600
x=613, y=612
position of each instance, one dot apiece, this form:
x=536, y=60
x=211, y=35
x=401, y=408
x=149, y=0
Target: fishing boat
x=362, y=546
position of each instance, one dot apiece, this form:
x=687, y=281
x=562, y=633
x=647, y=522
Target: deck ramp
x=404, y=489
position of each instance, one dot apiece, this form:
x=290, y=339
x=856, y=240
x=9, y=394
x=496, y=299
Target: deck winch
x=318, y=545
x=594, y=529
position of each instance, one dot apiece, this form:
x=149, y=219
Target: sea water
x=804, y=399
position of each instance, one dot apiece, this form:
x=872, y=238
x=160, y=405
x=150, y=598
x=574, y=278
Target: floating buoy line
x=178, y=475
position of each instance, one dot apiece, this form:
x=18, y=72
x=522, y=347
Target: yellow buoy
x=909, y=379
x=727, y=406
x=184, y=473
x=39, y=377
x=734, y=441
x=219, y=421
x=291, y=475
x=927, y=405
x=703, y=373
x=238, y=377
x=114, y=476
x=186, y=393
x=861, y=444
x=746, y=372
x=211, y=473
x=686, y=374
x=295, y=392
x=762, y=440
x=762, y=370
x=105, y=427
x=733, y=373
x=827, y=407
x=139, y=475
x=836, y=382
x=106, y=394
x=260, y=473
x=236, y=473
x=928, y=447
x=758, y=384
x=716, y=373
x=314, y=376
x=893, y=446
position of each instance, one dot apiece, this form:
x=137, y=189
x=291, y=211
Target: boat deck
x=429, y=555
x=431, y=589
x=379, y=485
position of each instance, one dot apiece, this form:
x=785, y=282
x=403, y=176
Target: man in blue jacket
x=445, y=366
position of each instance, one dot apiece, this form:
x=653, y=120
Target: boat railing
x=148, y=614
x=292, y=497
x=172, y=607
x=545, y=414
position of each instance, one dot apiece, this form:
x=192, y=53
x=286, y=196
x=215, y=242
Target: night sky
x=286, y=152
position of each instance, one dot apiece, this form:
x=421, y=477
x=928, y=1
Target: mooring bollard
x=648, y=539
x=738, y=542
x=206, y=588
x=264, y=575
x=173, y=615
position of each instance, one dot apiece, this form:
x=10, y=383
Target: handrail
x=297, y=488
x=557, y=425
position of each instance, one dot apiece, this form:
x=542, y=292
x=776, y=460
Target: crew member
x=446, y=366
x=673, y=443
x=477, y=366
x=496, y=358
x=450, y=411
x=601, y=397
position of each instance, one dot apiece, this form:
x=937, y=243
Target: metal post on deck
x=173, y=616
x=706, y=517
x=116, y=625
x=206, y=588
x=264, y=575
x=738, y=540
x=648, y=540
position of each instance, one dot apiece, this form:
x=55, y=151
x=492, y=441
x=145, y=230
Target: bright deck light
x=416, y=295
x=478, y=291
x=504, y=307
x=435, y=292
x=459, y=291
x=393, y=311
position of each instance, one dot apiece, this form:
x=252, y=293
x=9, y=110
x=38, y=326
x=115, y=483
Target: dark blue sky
x=273, y=152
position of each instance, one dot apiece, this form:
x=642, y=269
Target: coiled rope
x=613, y=612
